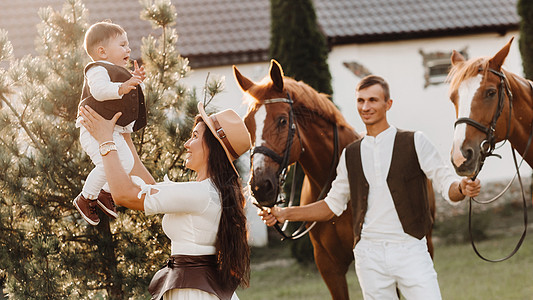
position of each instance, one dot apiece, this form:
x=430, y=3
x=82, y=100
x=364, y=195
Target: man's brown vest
x=131, y=105
x=407, y=184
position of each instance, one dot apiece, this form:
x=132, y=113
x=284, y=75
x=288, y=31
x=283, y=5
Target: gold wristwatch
x=107, y=147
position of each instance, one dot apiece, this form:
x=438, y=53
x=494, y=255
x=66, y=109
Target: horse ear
x=276, y=75
x=243, y=82
x=457, y=58
x=497, y=60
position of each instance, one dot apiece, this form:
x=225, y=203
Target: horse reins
x=491, y=141
x=283, y=162
x=298, y=233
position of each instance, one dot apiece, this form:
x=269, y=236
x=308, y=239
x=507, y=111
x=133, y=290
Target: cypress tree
x=525, y=10
x=46, y=250
x=298, y=44
x=300, y=47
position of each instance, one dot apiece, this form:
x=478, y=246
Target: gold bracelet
x=107, y=147
x=107, y=142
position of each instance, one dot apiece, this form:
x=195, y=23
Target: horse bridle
x=283, y=163
x=491, y=141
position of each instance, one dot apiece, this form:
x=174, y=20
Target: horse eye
x=282, y=121
x=491, y=93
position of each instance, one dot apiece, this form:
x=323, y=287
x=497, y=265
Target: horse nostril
x=262, y=186
x=267, y=185
x=469, y=153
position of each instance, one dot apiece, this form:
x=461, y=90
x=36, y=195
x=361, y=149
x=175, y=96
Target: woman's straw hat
x=229, y=129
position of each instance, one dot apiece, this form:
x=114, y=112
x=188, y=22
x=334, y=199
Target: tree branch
x=22, y=123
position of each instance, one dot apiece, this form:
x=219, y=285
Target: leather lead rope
x=300, y=232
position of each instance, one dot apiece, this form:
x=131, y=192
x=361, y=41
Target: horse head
x=480, y=93
x=270, y=121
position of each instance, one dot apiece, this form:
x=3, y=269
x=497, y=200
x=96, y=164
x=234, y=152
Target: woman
x=204, y=219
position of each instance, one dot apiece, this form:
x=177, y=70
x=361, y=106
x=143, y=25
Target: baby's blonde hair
x=99, y=33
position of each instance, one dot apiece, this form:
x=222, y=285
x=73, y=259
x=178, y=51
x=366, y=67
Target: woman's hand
x=271, y=216
x=100, y=128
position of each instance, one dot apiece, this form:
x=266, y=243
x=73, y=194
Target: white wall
x=415, y=107
x=401, y=64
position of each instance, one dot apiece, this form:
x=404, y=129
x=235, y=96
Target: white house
x=415, y=106
x=408, y=42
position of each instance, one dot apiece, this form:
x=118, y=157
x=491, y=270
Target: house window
x=437, y=66
x=357, y=69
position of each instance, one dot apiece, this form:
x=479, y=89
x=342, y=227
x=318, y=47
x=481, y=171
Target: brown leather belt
x=189, y=272
x=222, y=135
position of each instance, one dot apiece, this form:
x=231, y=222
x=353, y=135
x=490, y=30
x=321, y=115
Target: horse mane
x=303, y=95
x=466, y=69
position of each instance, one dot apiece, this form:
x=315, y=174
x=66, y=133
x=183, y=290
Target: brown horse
x=491, y=105
x=276, y=103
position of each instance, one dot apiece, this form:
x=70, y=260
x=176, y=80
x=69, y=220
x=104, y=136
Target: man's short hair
x=99, y=33
x=371, y=80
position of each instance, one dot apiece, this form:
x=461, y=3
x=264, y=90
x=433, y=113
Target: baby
x=109, y=88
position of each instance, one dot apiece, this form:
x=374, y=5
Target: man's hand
x=470, y=188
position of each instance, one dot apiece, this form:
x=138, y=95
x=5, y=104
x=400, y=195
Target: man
x=385, y=174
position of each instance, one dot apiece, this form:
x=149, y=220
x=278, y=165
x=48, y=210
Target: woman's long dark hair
x=233, y=252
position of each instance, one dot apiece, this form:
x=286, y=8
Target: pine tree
x=46, y=250
x=297, y=43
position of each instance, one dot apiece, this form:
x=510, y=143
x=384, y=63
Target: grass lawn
x=462, y=275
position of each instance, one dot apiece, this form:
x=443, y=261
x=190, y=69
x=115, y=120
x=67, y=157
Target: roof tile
x=210, y=30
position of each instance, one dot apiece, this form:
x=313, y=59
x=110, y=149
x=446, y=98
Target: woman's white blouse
x=192, y=214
